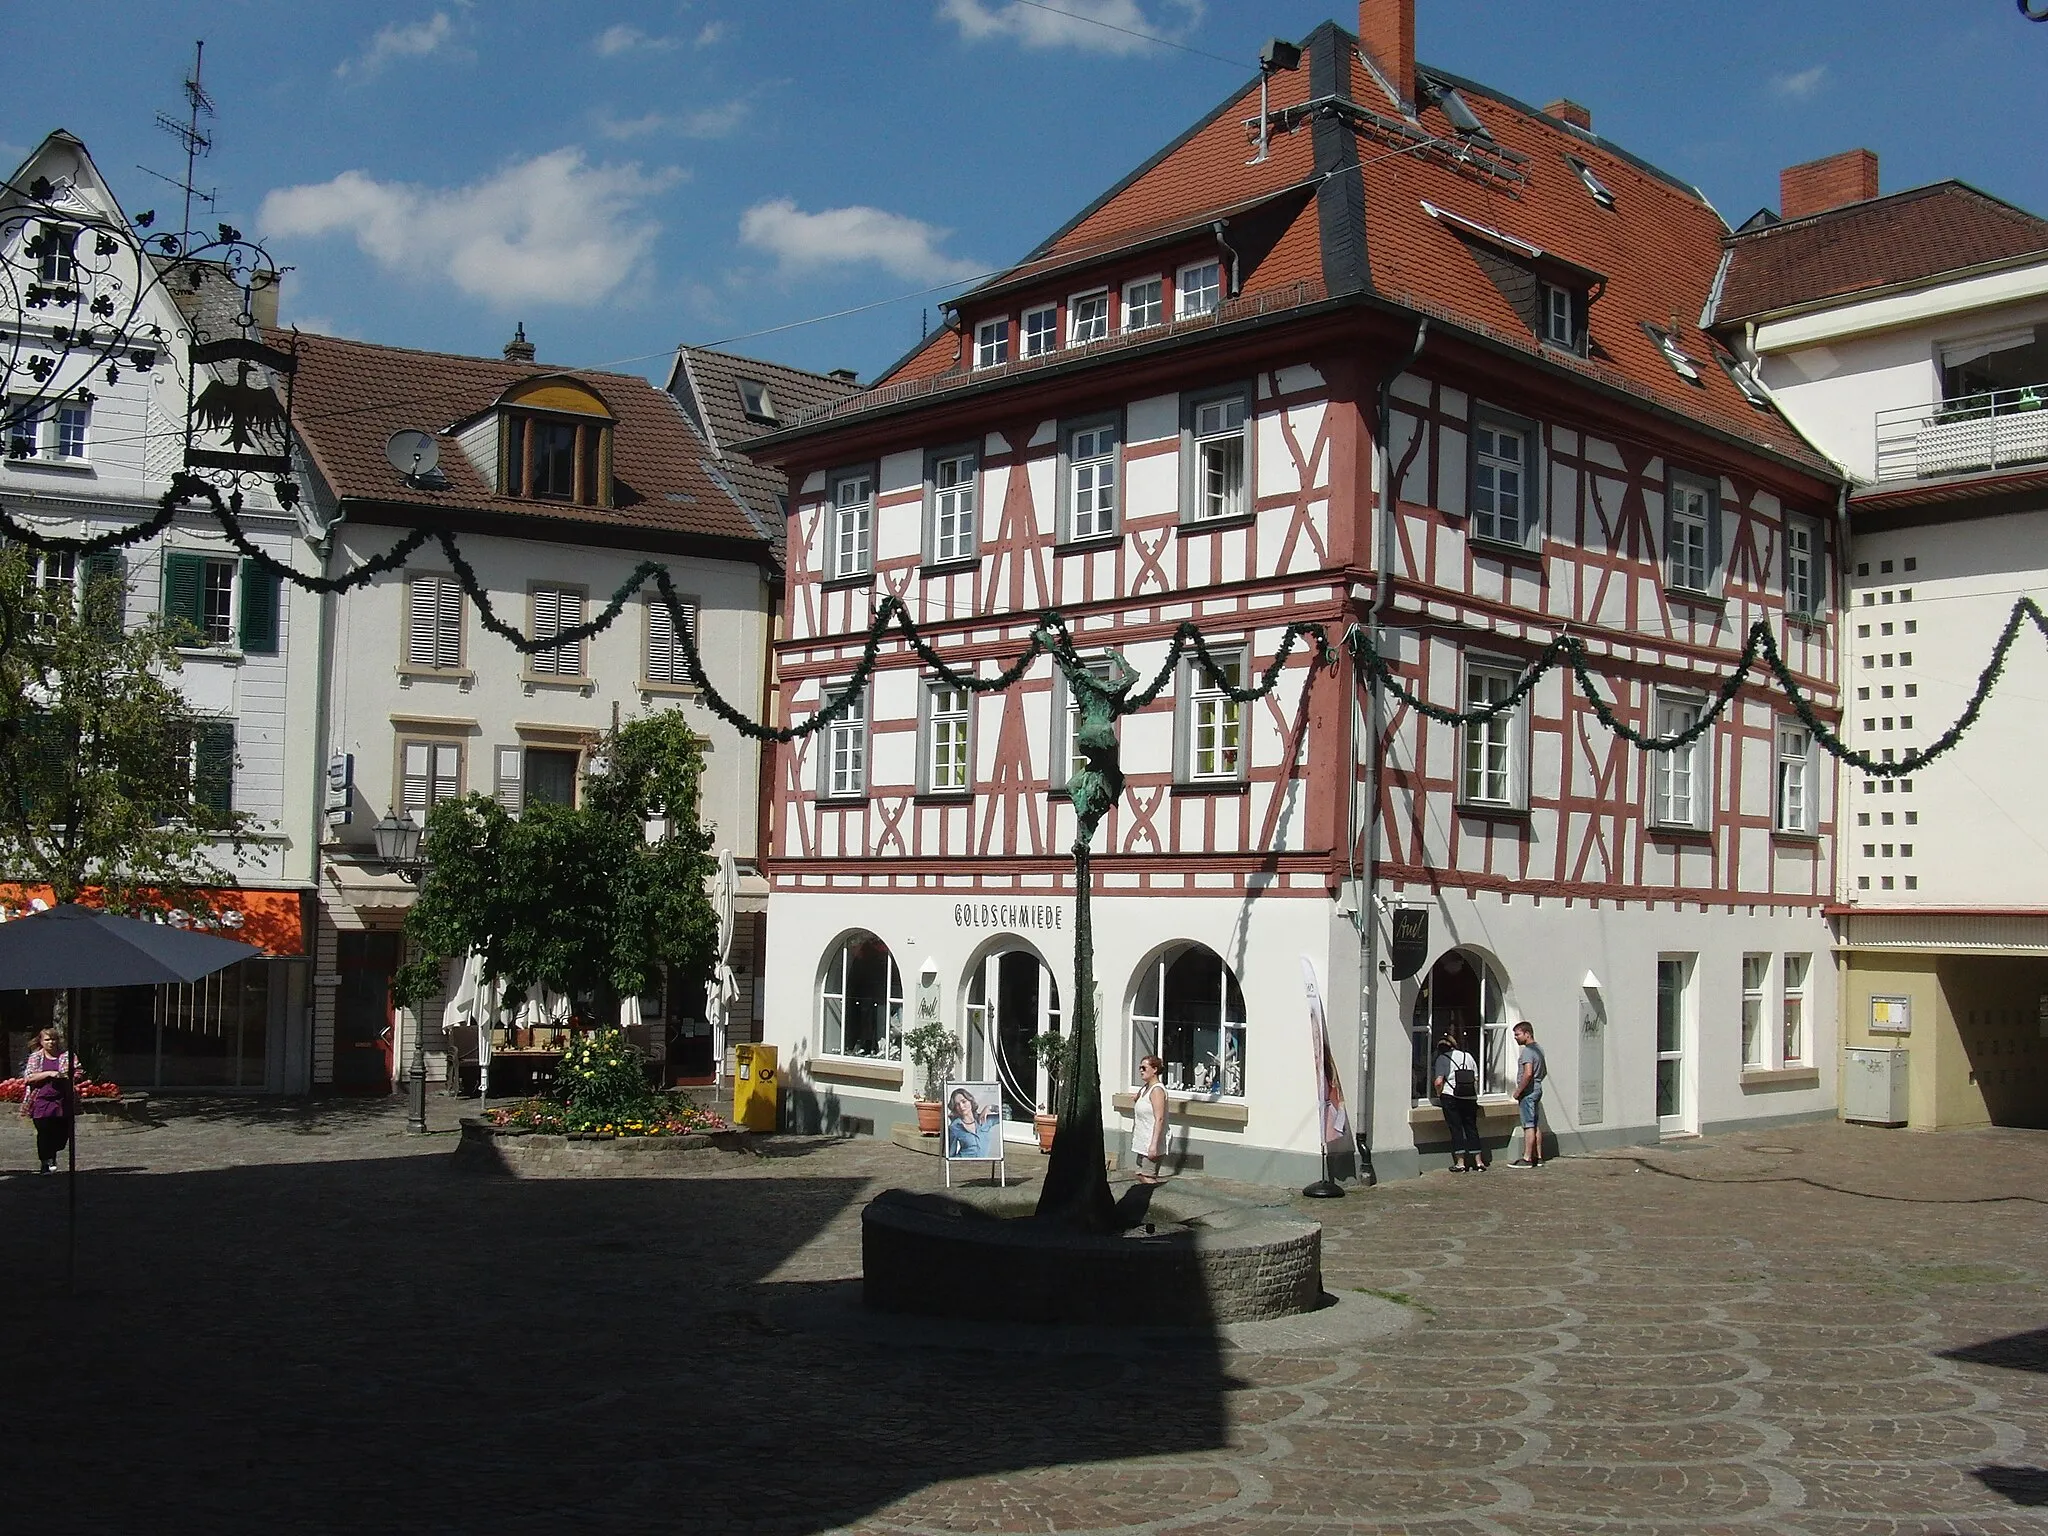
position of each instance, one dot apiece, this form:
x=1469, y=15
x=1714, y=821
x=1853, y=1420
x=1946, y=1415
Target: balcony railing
x=1994, y=430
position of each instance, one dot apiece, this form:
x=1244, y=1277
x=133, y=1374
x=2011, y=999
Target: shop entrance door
x=1011, y=1000
x=1675, y=1113
x=362, y=1011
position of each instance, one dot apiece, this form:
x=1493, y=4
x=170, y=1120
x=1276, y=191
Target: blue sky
x=624, y=176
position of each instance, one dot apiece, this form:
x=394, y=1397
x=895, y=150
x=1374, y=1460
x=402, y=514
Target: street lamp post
x=398, y=848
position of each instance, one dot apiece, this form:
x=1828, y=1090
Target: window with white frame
x=49, y=432
x=1091, y=479
x=556, y=610
x=951, y=492
x=992, y=343
x=1189, y=1012
x=1503, y=482
x=1041, y=330
x=947, y=754
x=1087, y=318
x=1792, y=1051
x=844, y=762
x=1144, y=303
x=1803, y=585
x=1218, y=457
x=1462, y=997
x=1680, y=788
x=56, y=253
x=1492, y=774
x=433, y=622
x=860, y=1001
x=1198, y=289
x=666, y=662
x=1756, y=978
x=1212, y=721
x=1690, y=512
x=1560, y=324
x=1066, y=719
x=853, y=513
x=1796, y=780
x=428, y=773
x=53, y=574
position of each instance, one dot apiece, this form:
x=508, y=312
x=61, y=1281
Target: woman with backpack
x=1455, y=1078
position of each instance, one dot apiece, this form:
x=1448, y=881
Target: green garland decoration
x=1052, y=637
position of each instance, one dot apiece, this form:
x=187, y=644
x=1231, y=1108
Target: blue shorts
x=1528, y=1104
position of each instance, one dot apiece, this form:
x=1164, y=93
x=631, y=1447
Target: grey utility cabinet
x=1874, y=1086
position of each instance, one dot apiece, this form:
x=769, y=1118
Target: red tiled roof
x=1904, y=238
x=1658, y=248
x=350, y=396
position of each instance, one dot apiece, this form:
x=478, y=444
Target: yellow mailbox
x=753, y=1087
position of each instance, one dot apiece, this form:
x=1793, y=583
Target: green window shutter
x=110, y=612
x=259, y=609
x=182, y=577
x=213, y=769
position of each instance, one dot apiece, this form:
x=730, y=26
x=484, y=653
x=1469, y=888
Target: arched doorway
x=1012, y=998
x=1462, y=996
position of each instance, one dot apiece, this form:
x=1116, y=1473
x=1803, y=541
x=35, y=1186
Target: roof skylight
x=1681, y=362
x=1602, y=194
x=754, y=400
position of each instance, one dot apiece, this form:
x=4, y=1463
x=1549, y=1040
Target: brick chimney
x=1818, y=185
x=1565, y=110
x=519, y=349
x=1387, y=29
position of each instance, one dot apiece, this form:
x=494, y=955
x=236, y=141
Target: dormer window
x=755, y=401
x=1087, y=318
x=1560, y=321
x=1041, y=330
x=992, y=343
x=553, y=441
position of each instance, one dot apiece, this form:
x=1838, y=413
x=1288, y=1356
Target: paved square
x=300, y=1319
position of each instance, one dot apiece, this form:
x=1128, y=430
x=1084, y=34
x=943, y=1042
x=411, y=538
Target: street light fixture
x=398, y=848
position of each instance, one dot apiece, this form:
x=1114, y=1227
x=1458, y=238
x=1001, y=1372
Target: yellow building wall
x=1977, y=1051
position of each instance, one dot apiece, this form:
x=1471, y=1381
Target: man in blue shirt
x=1530, y=1070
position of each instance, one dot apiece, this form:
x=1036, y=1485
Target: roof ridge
x=761, y=362
x=527, y=370
x=1904, y=194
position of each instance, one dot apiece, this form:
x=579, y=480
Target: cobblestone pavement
x=301, y=1319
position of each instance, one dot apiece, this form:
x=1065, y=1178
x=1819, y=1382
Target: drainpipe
x=1368, y=913
x=1236, y=281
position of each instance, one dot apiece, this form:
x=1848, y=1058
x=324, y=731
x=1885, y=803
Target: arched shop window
x=1463, y=997
x=1190, y=1014
x=860, y=1001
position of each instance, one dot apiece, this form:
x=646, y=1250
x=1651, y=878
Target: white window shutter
x=413, y=791
x=661, y=643
x=511, y=778
x=448, y=624
x=570, y=610
x=423, y=610
x=447, y=773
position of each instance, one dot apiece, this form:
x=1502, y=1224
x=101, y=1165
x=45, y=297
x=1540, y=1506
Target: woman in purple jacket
x=47, y=1100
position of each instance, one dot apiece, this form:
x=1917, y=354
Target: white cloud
x=632, y=127
x=803, y=241
x=409, y=40
x=615, y=40
x=711, y=32
x=1090, y=25
x=550, y=230
x=718, y=121
x=1798, y=87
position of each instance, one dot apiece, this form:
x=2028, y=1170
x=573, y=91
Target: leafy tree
x=108, y=778
x=580, y=900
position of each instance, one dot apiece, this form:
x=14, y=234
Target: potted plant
x=1053, y=1052
x=934, y=1049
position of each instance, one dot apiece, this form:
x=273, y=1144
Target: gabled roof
x=706, y=384
x=1884, y=242
x=1374, y=227
x=350, y=396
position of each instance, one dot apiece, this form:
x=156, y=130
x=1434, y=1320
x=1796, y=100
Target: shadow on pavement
x=2015, y=1352
x=392, y=1345
x=2022, y=1485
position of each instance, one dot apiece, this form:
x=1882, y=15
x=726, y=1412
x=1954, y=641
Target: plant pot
x=928, y=1116
x=1046, y=1126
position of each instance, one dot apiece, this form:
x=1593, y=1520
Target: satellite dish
x=413, y=453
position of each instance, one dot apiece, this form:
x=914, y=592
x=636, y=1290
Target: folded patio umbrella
x=72, y=946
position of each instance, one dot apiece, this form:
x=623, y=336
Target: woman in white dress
x=1148, y=1120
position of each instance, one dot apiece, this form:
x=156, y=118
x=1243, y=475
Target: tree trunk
x=1076, y=1189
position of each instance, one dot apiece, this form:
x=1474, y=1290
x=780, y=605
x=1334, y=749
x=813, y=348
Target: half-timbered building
x=1393, y=353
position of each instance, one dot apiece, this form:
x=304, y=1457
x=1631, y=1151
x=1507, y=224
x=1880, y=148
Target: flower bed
x=12, y=1089
x=660, y=1115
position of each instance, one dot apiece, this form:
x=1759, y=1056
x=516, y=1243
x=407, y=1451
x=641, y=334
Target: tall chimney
x=1818, y=185
x=1387, y=29
x=519, y=349
x=1565, y=110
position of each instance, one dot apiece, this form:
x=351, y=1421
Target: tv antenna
x=196, y=144
x=417, y=458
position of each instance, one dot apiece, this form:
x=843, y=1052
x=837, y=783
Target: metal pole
x=416, y=1115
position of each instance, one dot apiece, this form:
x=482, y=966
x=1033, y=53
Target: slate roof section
x=706, y=384
x=350, y=396
x=1884, y=242
x=1659, y=246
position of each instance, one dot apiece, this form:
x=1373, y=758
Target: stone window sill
x=1766, y=1078
x=460, y=675
x=1495, y=1109
x=881, y=1074
x=1221, y=1114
